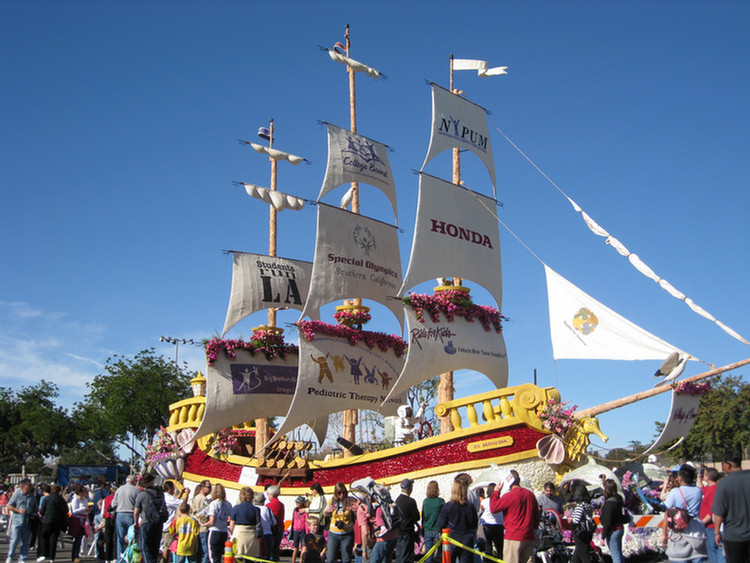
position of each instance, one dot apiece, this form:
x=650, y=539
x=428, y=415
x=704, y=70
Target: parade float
x=222, y=432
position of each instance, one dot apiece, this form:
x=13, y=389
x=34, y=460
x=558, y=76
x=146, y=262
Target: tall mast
x=445, y=388
x=350, y=416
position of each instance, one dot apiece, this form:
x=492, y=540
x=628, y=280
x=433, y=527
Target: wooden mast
x=262, y=425
x=350, y=416
x=445, y=388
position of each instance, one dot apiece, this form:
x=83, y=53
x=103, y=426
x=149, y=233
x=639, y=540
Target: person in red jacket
x=520, y=517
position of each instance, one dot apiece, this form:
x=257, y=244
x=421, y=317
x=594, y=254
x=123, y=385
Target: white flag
x=583, y=328
x=480, y=66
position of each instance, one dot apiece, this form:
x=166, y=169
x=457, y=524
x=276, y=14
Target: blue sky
x=119, y=148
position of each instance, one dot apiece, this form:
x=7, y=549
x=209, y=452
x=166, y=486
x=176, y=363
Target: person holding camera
x=341, y=529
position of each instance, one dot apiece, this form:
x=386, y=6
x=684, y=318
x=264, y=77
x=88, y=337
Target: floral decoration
x=267, y=342
x=226, y=440
x=372, y=339
x=556, y=417
x=351, y=317
x=163, y=447
x=693, y=388
x=452, y=303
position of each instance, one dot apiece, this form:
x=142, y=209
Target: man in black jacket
x=409, y=518
x=148, y=503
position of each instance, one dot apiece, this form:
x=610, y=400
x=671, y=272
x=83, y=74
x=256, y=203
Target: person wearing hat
x=409, y=511
x=299, y=526
x=150, y=530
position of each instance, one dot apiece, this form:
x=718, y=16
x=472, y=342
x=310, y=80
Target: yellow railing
x=522, y=402
x=187, y=413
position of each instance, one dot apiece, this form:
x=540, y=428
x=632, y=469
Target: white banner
x=335, y=376
x=682, y=413
x=355, y=256
x=456, y=234
x=260, y=282
x=354, y=158
x=245, y=388
x=436, y=348
x=482, y=67
x=457, y=122
x=583, y=328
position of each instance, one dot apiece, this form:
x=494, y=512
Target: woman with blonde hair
x=218, y=521
x=243, y=523
x=462, y=518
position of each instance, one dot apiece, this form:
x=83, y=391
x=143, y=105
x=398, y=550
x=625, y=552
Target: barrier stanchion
x=228, y=551
x=446, y=546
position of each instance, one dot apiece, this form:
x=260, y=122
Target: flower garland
x=380, y=339
x=556, y=418
x=269, y=343
x=690, y=388
x=163, y=447
x=453, y=303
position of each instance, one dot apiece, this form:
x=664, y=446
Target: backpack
x=678, y=519
x=155, y=509
x=586, y=525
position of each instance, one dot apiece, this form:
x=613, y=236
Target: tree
x=32, y=425
x=132, y=398
x=723, y=421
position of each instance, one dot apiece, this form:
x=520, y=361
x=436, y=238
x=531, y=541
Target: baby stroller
x=132, y=553
x=551, y=548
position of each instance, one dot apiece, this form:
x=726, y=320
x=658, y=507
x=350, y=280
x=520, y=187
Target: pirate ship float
x=341, y=367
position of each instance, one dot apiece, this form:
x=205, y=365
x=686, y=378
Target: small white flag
x=479, y=66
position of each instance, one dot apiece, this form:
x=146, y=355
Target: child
x=315, y=544
x=299, y=526
x=187, y=528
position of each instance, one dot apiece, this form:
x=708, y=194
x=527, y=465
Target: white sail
x=334, y=376
x=456, y=234
x=260, y=282
x=278, y=200
x=457, y=122
x=354, y=158
x=583, y=328
x=437, y=347
x=276, y=154
x=355, y=65
x=682, y=412
x=355, y=256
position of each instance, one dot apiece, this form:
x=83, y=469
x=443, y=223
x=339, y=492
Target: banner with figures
x=456, y=233
x=354, y=158
x=459, y=123
x=355, y=256
x=335, y=376
x=682, y=413
x=439, y=347
x=260, y=281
